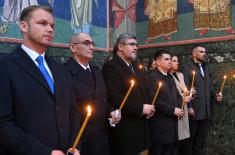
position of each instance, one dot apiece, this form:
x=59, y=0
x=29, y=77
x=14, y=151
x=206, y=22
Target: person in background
x=151, y=66
x=183, y=123
x=199, y=107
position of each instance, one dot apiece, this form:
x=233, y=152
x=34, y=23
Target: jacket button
x=61, y=130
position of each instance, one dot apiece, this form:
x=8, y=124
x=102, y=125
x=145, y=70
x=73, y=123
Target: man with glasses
x=130, y=136
x=199, y=107
x=89, y=88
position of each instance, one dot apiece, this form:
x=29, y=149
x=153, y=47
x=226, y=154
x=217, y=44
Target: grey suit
x=201, y=105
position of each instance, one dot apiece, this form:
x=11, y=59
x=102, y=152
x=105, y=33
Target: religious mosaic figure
x=162, y=18
x=124, y=17
x=212, y=15
x=82, y=15
x=12, y=10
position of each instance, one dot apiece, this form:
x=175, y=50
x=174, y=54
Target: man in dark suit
x=35, y=93
x=199, y=107
x=163, y=125
x=130, y=136
x=89, y=88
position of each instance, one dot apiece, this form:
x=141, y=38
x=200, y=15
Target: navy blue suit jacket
x=91, y=89
x=32, y=119
x=132, y=130
x=163, y=124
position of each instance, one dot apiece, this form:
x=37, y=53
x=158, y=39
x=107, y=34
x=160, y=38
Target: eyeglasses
x=131, y=44
x=86, y=42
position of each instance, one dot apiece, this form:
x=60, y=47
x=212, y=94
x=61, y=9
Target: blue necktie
x=45, y=73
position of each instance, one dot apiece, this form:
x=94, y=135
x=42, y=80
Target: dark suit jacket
x=93, y=91
x=130, y=136
x=163, y=124
x=32, y=119
x=201, y=103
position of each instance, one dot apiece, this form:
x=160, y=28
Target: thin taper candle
x=222, y=86
x=157, y=92
x=127, y=94
x=193, y=78
x=184, y=96
x=82, y=128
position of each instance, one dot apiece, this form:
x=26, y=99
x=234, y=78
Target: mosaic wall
x=153, y=21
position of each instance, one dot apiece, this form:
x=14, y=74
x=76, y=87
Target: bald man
x=89, y=87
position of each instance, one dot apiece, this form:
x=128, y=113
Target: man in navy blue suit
x=36, y=95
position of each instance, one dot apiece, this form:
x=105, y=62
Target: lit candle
x=140, y=66
x=184, y=96
x=157, y=92
x=127, y=94
x=222, y=86
x=192, y=84
x=82, y=128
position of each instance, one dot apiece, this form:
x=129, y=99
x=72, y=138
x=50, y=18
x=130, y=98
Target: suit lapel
x=126, y=69
x=96, y=79
x=197, y=70
x=76, y=69
x=26, y=63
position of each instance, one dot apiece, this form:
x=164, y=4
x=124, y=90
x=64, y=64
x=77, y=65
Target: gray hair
x=121, y=40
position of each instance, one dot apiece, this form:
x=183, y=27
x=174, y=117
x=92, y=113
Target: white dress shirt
x=33, y=55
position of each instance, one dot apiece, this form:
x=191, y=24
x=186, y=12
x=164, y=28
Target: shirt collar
x=162, y=72
x=85, y=66
x=125, y=61
x=31, y=53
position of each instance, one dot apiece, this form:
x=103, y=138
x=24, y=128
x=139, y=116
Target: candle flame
x=159, y=84
x=89, y=110
x=193, y=72
x=132, y=83
x=234, y=76
x=140, y=66
x=225, y=77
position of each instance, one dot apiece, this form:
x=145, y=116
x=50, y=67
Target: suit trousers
x=198, y=134
x=161, y=149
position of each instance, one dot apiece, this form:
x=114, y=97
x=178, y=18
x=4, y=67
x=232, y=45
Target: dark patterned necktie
x=132, y=69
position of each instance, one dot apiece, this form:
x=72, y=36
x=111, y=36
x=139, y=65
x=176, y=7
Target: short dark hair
x=122, y=39
x=196, y=46
x=26, y=13
x=159, y=53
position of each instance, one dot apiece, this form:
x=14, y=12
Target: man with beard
x=199, y=107
x=130, y=136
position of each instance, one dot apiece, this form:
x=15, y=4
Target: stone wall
x=221, y=58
